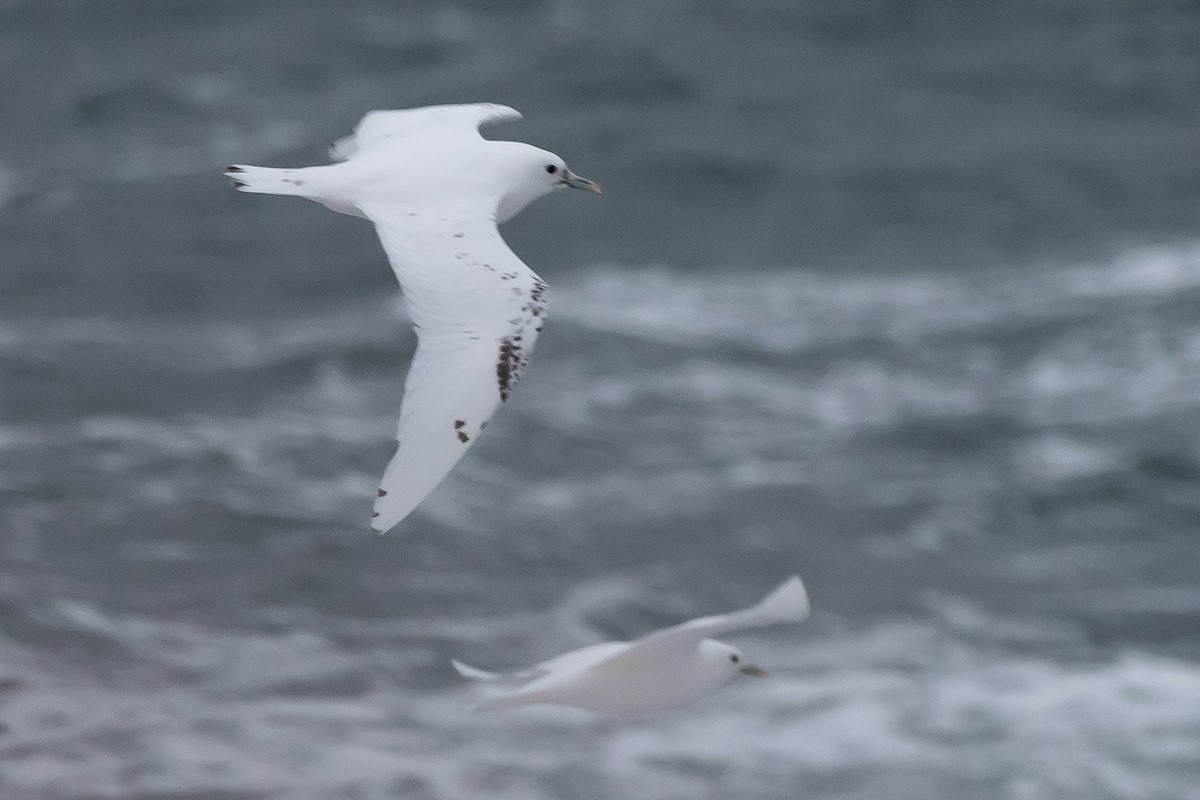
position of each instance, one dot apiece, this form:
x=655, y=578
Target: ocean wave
x=1085, y=344
x=695, y=384
x=794, y=311
x=300, y=713
x=1070, y=329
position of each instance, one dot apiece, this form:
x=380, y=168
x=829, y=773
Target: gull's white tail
x=268, y=180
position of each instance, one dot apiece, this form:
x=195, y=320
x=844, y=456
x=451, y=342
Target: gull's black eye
x=551, y=168
x=734, y=658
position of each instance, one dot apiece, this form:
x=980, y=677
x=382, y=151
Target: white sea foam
x=756, y=384
x=1050, y=347
x=791, y=311
x=945, y=711
x=1054, y=458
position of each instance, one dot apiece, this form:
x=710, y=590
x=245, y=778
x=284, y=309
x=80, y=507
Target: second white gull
x=668, y=668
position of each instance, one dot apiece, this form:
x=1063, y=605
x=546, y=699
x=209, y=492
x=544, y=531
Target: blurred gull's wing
x=572, y=662
x=787, y=603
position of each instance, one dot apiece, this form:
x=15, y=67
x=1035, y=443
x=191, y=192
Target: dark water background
x=901, y=296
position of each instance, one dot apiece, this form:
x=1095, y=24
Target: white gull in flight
x=436, y=190
x=667, y=668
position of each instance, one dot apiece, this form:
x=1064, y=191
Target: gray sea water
x=902, y=297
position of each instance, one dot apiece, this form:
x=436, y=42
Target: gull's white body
x=435, y=190
x=665, y=669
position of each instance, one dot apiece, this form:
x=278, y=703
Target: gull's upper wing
x=787, y=603
x=477, y=310
x=377, y=127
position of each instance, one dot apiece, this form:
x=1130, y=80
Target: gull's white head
x=722, y=662
x=530, y=172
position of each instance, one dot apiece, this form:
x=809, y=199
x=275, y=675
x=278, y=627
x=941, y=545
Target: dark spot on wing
x=538, y=291
x=507, y=366
x=537, y=298
x=239, y=184
x=458, y=423
x=381, y=493
x=374, y=514
x=462, y=437
x=234, y=168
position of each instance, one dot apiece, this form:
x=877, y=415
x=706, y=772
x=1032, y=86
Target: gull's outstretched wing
x=788, y=603
x=517, y=688
x=573, y=662
x=477, y=310
x=377, y=127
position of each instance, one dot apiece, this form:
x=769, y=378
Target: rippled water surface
x=900, y=297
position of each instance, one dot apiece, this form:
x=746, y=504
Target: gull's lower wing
x=581, y=659
x=507, y=681
x=533, y=684
x=571, y=663
x=477, y=310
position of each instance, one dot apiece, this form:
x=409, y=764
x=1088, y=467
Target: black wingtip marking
x=374, y=514
x=234, y=168
x=381, y=493
x=458, y=423
x=239, y=184
x=462, y=437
